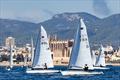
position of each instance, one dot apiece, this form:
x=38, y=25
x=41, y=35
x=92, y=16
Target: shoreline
x=113, y=64
x=29, y=63
x=15, y=64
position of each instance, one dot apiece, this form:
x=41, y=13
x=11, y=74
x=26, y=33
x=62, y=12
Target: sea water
x=18, y=73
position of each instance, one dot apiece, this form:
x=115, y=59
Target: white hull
x=42, y=71
x=75, y=68
x=71, y=72
x=101, y=68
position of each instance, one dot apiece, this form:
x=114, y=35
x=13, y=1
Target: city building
x=61, y=51
x=10, y=41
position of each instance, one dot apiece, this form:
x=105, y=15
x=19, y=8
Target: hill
x=64, y=25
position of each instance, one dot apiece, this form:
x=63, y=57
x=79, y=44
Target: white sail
x=81, y=54
x=101, y=58
x=11, y=56
x=32, y=50
x=42, y=53
x=75, y=49
x=93, y=58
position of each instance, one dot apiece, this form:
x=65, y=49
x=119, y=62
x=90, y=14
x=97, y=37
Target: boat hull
x=42, y=71
x=77, y=68
x=71, y=72
x=102, y=68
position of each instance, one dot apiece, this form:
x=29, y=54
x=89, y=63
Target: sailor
x=101, y=65
x=86, y=67
x=32, y=68
x=45, y=66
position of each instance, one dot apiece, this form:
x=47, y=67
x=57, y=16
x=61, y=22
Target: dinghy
x=101, y=68
x=80, y=59
x=100, y=62
x=42, y=71
x=42, y=60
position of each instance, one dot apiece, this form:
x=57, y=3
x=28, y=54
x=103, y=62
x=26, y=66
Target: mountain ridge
x=64, y=25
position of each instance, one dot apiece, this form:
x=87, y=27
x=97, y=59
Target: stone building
x=61, y=51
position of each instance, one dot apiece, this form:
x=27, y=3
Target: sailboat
x=32, y=50
x=11, y=58
x=81, y=54
x=42, y=60
x=100, y=61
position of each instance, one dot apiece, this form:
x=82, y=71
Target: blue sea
x=18, y=73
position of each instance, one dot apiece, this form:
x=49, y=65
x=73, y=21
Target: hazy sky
x=40, y=10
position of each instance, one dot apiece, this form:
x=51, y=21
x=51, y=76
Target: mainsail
x=42, y=54
x=32, y=50
x=101, y=58
x=11, y=55
x=75, y=49
x=81, y=54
